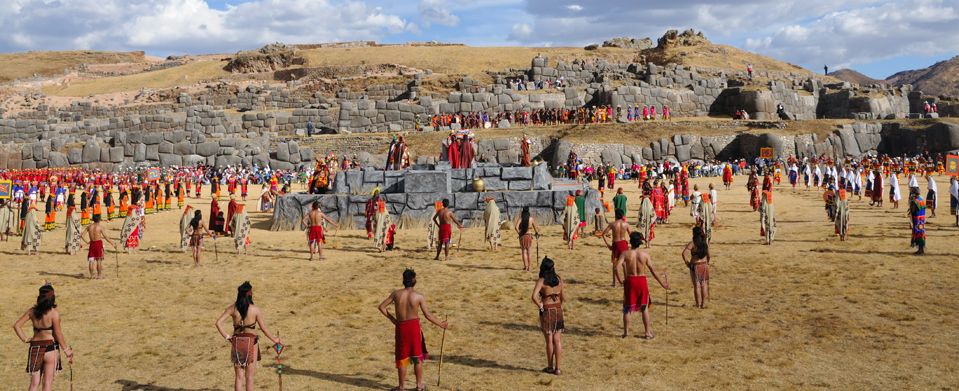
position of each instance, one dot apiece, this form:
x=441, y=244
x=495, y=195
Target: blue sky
x=875, y=37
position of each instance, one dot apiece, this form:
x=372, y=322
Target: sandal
x=549, y=370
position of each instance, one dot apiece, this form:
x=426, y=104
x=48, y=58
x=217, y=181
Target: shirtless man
x=621, y=231
x=96, y=235
x=410, y=346
x=635, y=289
x=314, y=222
x=444, y=218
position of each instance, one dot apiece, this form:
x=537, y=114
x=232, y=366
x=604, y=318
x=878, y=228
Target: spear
x=439, y=375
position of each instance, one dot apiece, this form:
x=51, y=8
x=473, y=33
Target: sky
x=877, y=38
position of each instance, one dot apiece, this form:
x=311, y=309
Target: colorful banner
x=766, y=153
x=952, y=165
x=6, y=190
x=153, y=174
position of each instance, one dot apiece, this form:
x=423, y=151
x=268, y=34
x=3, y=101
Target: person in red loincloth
x=410, y=344
x=96, y=234
x=635, y=288
x=314, y=223
x=445, y=219
x=621, y=231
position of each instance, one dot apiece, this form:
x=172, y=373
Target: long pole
x=216, y=253
x=537, y=251
x=439, y=375
x=279, y=366
x=71, y=373
x=116, y=256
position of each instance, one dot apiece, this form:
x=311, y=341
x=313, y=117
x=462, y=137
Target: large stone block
x=519, y=199
x=419, y=201
x=466, y=201
x=511, y=173
x=207, y=149
x=520, y=184
x=169, y=159
x=74, y=156
x=153, y=152
x=541, y=177
x=427, y=182
x=116, y=155
x=91, y=151
x=58, y=159
x=140, y=153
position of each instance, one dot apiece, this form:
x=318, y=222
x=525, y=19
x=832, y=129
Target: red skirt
x=316, y=235
x=96, y=251
x=36, y=353
x=526, y=241
x=410, y=344
x=635, y=294
x=446, y=233
x=619, y=247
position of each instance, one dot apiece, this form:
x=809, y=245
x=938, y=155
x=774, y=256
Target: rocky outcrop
x=629, y=43
x=266, y=59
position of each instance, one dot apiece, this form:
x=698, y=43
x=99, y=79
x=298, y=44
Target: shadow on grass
x=532, y=328
x=78, y=276
x=352, y=380
x=130, y=385
x=483, y=363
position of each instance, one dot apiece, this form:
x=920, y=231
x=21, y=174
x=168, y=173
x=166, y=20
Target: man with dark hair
x=445, y=219
x=97, y=234
x=619, y=201
x=635, y=288
x=410, y=345
x=314, y=228
x=621, y=231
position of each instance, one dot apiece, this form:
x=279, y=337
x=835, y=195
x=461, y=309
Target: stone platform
x=410, y=195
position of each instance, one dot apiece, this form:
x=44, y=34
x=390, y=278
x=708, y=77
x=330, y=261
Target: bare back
x=252, y=313
x=43, y=327
x=315, y=218
x=406, y=303
x=620, y=230
x=95, y=231
x=635, y=262
x=445, y=216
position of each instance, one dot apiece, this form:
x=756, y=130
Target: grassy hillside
x=167, y=78
x=22, y=65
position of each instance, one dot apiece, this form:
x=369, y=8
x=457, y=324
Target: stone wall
x=410, y=195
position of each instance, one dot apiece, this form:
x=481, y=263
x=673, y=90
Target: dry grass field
x=20, y=65
x=184, y=75
x=808, y=312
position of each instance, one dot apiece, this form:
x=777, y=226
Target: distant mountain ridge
x=852, y=76
x=940, y=79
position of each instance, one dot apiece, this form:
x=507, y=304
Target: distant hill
x=851, y=76
x=940, y=79
x=23, y=65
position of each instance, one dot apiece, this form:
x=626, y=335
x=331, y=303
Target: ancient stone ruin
x=410, y=195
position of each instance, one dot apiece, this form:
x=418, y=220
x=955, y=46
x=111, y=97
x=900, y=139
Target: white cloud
x=174, y=26
x=574, y=7
x=868, y=34
x=521, y=32
x=436, y=11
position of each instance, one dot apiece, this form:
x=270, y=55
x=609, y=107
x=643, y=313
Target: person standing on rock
x=410, y=344
x=636, y=297
x=445, y=219
x=524, y=149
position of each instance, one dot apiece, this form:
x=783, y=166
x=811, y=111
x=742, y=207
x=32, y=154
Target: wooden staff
x=537, y=250
x=666, y=276
x=71, y=373
x=116, y=256
x=459, y=242
x=439, y=375
x=216, y=253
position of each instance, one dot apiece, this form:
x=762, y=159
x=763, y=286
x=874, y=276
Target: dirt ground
x=807, y=312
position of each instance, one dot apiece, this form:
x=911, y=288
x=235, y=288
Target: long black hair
x=244, y=297
x=46, y=301
x=197, y=217
x=524, y=221
x=547, y=272
x=699, y=240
